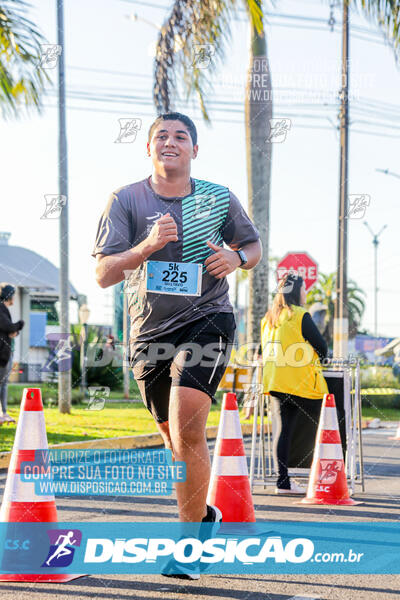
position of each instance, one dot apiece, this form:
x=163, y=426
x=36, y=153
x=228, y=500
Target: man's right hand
x=164, y=230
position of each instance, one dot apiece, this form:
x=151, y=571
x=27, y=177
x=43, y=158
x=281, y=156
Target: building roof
x=25, y=268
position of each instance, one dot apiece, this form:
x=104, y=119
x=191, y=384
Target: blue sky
x=106, y=53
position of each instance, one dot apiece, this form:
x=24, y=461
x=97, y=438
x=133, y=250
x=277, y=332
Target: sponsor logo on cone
x=397, y=435
x=229, y=482
x=328, y=483
x=20, y=502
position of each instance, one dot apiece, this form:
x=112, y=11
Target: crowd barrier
x=343, y=381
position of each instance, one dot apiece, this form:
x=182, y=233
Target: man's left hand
x=222, y=262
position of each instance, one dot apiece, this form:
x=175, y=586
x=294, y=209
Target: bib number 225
x=174, y=278
x=173, y=275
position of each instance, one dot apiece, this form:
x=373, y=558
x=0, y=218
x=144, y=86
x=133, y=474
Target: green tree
x=324, y=292
x=107, y=372
x=197, y=25
x=22, y=80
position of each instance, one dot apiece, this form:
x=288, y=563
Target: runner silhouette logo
x=61, y=551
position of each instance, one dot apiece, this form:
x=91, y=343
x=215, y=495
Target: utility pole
x=375, y=241
x=64, y=376
x=341, y=321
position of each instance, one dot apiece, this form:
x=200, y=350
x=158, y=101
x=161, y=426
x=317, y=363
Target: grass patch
x=119, y=419
x=114, y=420
x=50, y=392
x=384, y=414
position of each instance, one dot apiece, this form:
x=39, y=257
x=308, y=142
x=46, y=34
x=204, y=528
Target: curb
x=126, y=442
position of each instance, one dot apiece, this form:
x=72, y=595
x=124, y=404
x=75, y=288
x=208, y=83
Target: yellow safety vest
x=291, y=364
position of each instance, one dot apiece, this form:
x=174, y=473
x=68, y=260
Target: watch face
x=243, y=257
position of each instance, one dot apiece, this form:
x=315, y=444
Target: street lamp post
x=341, y=322
x=387, y=172
x=375, y=241
x=84, y=314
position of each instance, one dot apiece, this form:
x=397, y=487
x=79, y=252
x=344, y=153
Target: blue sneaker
x=191, y=571
x=181, y=570
x=214, y=515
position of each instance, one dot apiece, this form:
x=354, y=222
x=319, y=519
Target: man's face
x=171, y=147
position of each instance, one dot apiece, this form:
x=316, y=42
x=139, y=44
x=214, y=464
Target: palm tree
x=241, y=275
x=325, y=292
x=22, y=80
x=204, y=25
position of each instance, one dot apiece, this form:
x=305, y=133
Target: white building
x=36, y=281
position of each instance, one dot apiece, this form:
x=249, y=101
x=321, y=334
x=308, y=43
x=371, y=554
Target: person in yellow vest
x=292, y=347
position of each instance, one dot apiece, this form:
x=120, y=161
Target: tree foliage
x=324, y=292
x=22, y=80
x=192, y=29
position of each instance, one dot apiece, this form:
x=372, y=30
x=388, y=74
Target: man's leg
x=188, y=412
x=163, y=428
x=154, y=389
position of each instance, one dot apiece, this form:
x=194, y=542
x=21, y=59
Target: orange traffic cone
x=20, y=502
x=229, y=488
x=328, y=483
x=396, y=435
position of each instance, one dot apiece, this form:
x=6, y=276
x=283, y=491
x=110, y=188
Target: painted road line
x=304, y=598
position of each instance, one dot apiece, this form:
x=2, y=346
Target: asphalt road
x=381, y=501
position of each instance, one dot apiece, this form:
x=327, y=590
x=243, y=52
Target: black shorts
x=193, y=356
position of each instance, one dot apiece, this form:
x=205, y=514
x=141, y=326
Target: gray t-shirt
x=211, y=212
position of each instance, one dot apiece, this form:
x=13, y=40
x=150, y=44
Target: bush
x=381, y=400
x=105, y=375
x=376, y=377
x=49, y=393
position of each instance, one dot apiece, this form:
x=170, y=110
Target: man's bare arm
x=110, y=269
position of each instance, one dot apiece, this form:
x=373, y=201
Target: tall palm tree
x=325, y=291
x=22, y=80
x=204, y=26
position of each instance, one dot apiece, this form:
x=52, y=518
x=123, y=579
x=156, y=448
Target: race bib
x=178, y=279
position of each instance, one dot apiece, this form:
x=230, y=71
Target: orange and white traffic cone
x=328, y=483
x=229, y=488
x=396, y=435
x=20, y=502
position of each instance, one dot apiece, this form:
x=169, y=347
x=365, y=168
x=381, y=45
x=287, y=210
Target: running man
x=62, y=546
x=166, y=234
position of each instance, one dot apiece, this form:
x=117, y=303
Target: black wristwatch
x=242, y=257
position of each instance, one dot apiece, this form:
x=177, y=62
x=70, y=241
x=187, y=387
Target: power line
x=305, y=19
x=222, y=120
x=110, y=72
x=368, y=101
x=374, y=104
x=237, y=106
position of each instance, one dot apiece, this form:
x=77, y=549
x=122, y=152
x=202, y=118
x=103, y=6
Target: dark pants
x=4, y=375
x=286, y=410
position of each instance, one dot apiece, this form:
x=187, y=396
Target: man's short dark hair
x=175, y=116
